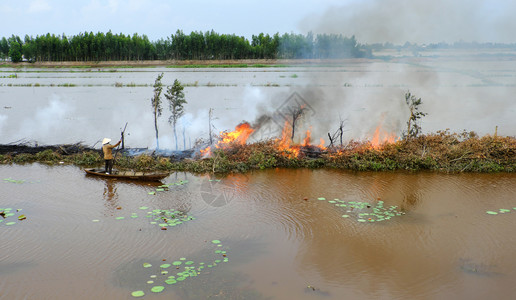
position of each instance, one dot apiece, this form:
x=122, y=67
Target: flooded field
x=274, y=234
x=54, y=106
x=283, y=234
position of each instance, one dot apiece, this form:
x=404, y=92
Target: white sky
x=397, y=21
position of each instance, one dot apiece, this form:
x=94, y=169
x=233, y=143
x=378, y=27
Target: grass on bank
x=441, y=151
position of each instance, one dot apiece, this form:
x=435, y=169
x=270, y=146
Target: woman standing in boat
x=107, y=148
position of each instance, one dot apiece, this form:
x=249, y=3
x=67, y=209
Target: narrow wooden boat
x=133, y=175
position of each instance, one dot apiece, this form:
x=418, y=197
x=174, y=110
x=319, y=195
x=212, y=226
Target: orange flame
x=239, y=136
x=292, y=150
x=284, y=144
x=306, y=140
x=321, y=144
x=206, y=152
x=381, y=137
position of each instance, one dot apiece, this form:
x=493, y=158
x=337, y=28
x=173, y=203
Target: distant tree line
x=197, y=45
x=89, y=46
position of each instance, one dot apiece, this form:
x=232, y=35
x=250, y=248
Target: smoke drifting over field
x=419, y=21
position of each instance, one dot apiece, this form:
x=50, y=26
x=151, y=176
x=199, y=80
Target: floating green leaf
x=321, y=198
x=147, y=265
x=157, y=289
x=164, y=266
x=177, y=263
x=490, y=212
x=216, y=241
x=10, y=223
x=170, y=281
x=144, y=207
x=137, y=294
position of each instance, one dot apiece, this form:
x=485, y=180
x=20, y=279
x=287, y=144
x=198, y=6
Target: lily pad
x=170, y=281
x=138, y=294
x=157, y=289
x=147, y=265
x=321, y=198
x=10, y=223
x=164, y=266
x=177, y=263
x=216, y=241
x=490, y=212
x=144, y=207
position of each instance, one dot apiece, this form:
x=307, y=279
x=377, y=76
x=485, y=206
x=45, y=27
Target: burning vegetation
x=441, y=151
x=232, y=152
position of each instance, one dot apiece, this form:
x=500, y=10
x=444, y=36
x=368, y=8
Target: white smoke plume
x=418, y=21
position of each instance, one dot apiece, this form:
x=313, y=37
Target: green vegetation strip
x=500, y=211
x=465, y=152
x=365, y=211
x=14, y=180
x=10, y=216
x=184, y=269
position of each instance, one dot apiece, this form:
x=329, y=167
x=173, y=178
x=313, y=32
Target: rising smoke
x=418, y=21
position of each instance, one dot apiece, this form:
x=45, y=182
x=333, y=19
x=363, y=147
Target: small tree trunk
x=156, y=129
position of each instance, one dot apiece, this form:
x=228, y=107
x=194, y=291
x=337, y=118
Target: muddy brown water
x=278, y=245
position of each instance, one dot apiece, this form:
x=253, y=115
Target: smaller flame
x=381, y=137
x=206, y=152
x=306, y=140
x=321, y=144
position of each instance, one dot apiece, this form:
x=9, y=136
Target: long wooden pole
x=122, y=139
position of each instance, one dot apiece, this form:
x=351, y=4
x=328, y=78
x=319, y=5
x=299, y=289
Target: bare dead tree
x=296, y=113
x=210, y=125
x=338, y=133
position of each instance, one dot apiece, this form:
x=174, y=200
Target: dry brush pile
x=441, y=151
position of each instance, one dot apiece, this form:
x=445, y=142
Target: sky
x=371, y=21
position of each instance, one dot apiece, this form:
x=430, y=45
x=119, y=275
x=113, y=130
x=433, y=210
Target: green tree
x=4, y=48
x=413, y=127
x=15, y=52
x=156, y=104
x=176, y=101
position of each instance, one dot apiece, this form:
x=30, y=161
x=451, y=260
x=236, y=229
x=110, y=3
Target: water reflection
x=110, y=194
